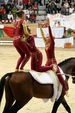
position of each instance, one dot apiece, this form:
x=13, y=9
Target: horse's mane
x=65, y=61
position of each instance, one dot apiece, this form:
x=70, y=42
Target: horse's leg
x=9, y=97
x=18, y=105
x=55, y=106
x=58, y=102
x=64, y=103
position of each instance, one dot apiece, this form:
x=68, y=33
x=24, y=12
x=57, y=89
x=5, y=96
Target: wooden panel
x=31, y=26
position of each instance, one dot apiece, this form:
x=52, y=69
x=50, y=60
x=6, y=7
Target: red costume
x=50, y=50
x=51, y=57
x=20, y=45
x=36, y=57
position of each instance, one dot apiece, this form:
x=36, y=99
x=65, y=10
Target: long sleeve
x=42, y=33
x=25, y=28
x=50, y=34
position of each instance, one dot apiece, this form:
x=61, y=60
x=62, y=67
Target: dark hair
x=19, y=13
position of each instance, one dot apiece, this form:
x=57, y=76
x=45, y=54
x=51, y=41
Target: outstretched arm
x=42, y=33
x=50, y=31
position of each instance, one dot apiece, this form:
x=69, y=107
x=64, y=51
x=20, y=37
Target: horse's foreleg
x=64, y=103
x=57, y=103
x=55, y=106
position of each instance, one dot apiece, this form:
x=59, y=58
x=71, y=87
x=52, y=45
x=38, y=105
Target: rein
x=66, y=75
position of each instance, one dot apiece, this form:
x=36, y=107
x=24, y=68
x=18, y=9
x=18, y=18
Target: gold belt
x=17, y=37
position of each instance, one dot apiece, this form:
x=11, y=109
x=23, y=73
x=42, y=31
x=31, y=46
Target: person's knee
x=22, y=56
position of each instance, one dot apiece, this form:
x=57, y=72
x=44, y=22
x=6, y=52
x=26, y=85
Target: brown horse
x=20, y=87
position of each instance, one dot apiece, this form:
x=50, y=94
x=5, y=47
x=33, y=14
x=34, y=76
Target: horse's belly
x=42, y=90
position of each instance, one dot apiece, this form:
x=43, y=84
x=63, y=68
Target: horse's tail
x=2, y=83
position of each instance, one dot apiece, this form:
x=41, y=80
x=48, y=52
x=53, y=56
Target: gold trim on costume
x=25, y=29
x=42, y=33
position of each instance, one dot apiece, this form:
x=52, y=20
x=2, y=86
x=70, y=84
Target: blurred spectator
x=25, y=10
x=29, y=11
x=74, y=6
x=10, y=4
x=3, y=10
x=66, y=4
x=53, y=7
x=8, y=9
x=10, y=16
x=20, y=5
x=4, y=16
x=30, y=1
x=5, y=2
x=40, y=2
x=25, y=3
x=14, y=10
x=71, y=9
x=0, y=15
x=35, y=6
x=58, y=8
x=63, y=10
x=33, y=17
x=15, y=2
x=29, y=5
x=48, y=9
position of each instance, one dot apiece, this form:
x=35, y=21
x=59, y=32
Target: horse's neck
x=67, y=68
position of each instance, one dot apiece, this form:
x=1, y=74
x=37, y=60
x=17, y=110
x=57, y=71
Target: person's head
x=33, y=11
x=20, y=3
x=10, y=12
x=8, y=6
x=2, y=7
x=21, y=14
x=14, y=7
x=29, y=3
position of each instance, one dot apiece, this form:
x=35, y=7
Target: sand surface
x=8, y=59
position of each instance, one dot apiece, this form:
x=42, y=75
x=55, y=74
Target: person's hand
x=54, y=68
x=47, y=21
x=39, y=23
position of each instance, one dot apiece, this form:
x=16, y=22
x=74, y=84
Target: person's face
x=2, y=7
x=10, y=12
x=23, y=16
x=8, y=6
x=4, y=12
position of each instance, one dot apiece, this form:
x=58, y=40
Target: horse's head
x=68, y=67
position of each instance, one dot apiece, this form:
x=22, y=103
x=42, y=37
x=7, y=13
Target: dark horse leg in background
x=17, y=106
x=62, y=101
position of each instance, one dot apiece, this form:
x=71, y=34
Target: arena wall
x=6, y=37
